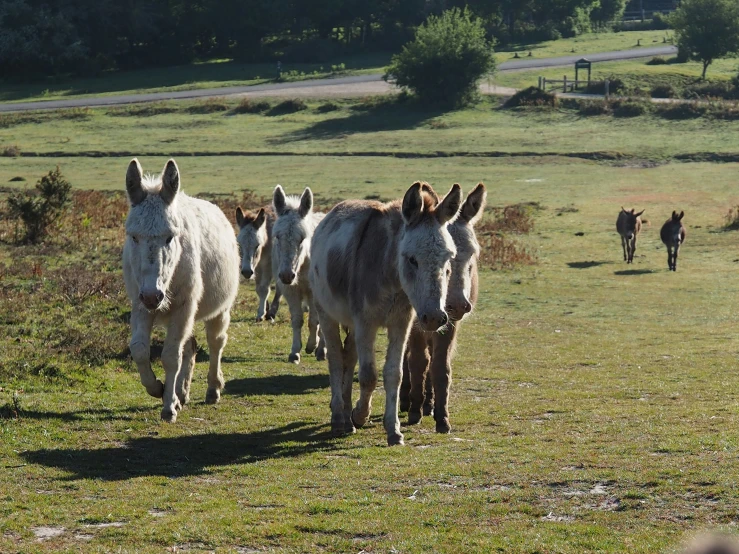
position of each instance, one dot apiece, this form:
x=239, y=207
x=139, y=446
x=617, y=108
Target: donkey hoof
x=395, y=439
x=358, y=421
x=212, y=396
x=339, y=427
x=157, y=391
x=405, y=403
x=183, y=398
x=414, y=418
x=443, y=426
x=428, y=410
x=260, y=318
x=309, y=349
x=294, y=358
x=321, y=354
x=168, y=415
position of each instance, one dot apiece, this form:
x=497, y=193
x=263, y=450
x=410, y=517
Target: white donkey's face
x=291, y=233
x=252, y=239
x=426, y=250
x=458, y=302
x=153, y=230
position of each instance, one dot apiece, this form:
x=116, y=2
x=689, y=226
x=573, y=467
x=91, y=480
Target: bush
x=594, y=107
x=657, y=60
x=38, y=210
x=616, y=85
x=289, y=106
x=631, y=107
x=446, y=61
x=719, y=89
x=661, y=21
x=211, y=105
x=682, y=110
x=328, y=107
x=532, y=96
x=663, y=91
x=732, y=219
x=10, y=151
x=247, y=106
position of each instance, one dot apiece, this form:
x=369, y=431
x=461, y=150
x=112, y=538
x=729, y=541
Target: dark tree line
x=42, y=37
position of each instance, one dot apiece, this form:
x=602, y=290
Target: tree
x=707, y=29
x=446, y=61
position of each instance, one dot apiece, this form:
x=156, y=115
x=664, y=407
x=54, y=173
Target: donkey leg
x=441, y=374
x=179, y=332
x=365, y=336
x=339, y=412
x=350, y=362
x=216, y=331
x=669, y=258
x=321, y=348
x=418, y=363
x=404, y=402
x=428, y=397
x=275, y=304
x=397, y=335
x=623, y=245
x=310, y=345
x=184, y=377
x=140, y=346
x=633, y=249
x=294, y=302
x=262, y=293
x=674, y=258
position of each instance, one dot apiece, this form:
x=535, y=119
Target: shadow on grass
x=633, y=272
x=277, y=384
x=386, y=114
x=98, y=414
x=183, y=456
x=586, y=264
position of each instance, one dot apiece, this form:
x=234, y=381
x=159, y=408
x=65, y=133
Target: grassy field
x=225, y=73
x=593, y=406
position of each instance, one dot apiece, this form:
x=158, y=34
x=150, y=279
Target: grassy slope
x=223, y=73
x=593, y=404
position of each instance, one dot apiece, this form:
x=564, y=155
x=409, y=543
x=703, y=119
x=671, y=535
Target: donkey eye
x=413, y=261
x=135, y=239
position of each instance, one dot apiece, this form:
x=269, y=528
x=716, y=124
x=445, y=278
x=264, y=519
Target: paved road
x=358, y=85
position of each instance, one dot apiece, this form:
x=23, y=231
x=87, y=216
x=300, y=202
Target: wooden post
x=543, y=83
x=565, y=84
x=539, y=82
x=606, y=89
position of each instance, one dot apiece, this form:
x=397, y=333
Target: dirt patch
x=44, y=533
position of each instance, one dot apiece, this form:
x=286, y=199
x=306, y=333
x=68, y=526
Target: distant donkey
x=673, y=235
x=371, y=265
x=255, y=241
x=437, y=349
x=628, y=226
x=292, y=235
x=180, y=264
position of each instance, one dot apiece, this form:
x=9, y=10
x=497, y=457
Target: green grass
x=593, y=404
x=226, y=73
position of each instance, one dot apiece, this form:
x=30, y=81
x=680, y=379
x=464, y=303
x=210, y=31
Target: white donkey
x=255, y=241
x=372, y=265
x=292, y=236
x=180, y=264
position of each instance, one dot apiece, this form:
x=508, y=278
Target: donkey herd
x=409, y=266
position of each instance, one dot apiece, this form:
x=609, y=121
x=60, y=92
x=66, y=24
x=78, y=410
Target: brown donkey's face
x=630, y=219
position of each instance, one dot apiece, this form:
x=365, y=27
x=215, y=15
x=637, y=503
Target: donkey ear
x=447, y=211
x=641, y=212
x=622, y=209
x=412, y=204
x=278, y=200
x=134, y=189
x=259, y=220
x=306, y=202
x=674, y=214
x=170, y=182
x=240, y=216
x=474, y=205
x=681, y=215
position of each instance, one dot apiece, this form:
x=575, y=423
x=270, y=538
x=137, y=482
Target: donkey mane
x=292, y=203
x=152, y=183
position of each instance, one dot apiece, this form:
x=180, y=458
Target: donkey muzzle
x=247, y=273
x=287, y=277
x=433, y=321
x=151, y=300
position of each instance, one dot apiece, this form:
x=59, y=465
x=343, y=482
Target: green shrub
x=661, y=21
x=328, y=107
x=289, y=106
x=211, y=105
x=682, y=110
x=711, y=89
x=446, y=61
x=594, y=107
x=616, y=85
x=657, y=60
x=631, y=107
x=42, y=207
x=663, y=91
x=10, y=151
x=247, y=106
x=532, y=96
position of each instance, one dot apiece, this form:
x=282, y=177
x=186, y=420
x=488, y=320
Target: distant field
x=225, y=73
x=594, y=403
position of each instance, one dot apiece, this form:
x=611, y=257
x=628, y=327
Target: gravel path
x=357, y=85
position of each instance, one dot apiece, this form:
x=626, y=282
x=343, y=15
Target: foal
x=179, y=265
x=371, y=265
x=438, y=348
x=255, y=241
x=628, y=226
x=292, y=235
x=673, y=235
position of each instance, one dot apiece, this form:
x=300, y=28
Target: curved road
x=358, y=85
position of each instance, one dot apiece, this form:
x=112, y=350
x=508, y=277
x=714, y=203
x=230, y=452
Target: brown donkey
x=673, y=235
x=628, y=226
x=437, y=349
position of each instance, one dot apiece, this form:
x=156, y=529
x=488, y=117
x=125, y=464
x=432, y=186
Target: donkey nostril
x=160, y=296
x=443, y=320
x=424, y=319
x=467, y=307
